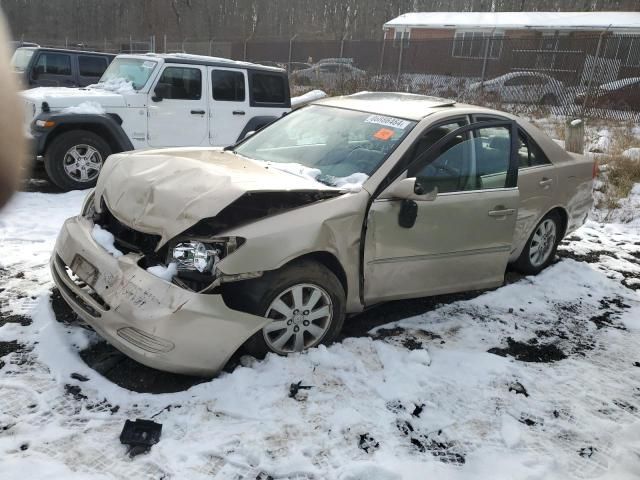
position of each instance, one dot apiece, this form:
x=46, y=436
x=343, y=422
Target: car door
x=453, y=230
x=178, y=107
x=229, y=105
x=537, y=182
x=52, y=69
x=90, y=69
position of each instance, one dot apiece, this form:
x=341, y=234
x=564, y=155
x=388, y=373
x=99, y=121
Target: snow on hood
x=116, y=85
x=167, y=191
x=85, y=107
x=61, y=97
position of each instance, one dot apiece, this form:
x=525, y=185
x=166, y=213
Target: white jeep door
x=229, y=105
x=178, y=107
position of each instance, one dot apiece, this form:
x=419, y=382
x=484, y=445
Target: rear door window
x=50, y=63
x=228, y=86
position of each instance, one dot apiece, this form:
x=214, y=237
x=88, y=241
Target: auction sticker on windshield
x=387, y=121
x=384, y=134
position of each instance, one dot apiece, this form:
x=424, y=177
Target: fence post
x=165, y=43
x=344, y=37
x=211, y=47
x=246, y=40
x=592, y=72
x=486, y=55
x=384, y=42
x=574, y=136
x=130, y=44
x=290, y=52
x=400, y=61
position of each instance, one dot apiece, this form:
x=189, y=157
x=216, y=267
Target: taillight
x=595, y=170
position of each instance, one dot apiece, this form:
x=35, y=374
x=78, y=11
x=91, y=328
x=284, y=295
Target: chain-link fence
x=572, y=75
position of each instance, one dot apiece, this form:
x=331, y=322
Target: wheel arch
x=328, y=260
x=564, y=218
x=106, y=126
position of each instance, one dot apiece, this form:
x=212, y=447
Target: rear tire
x=306, y=301
x=541, y=246
x=74, y=159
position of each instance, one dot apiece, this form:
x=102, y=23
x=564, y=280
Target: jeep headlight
x=202, y=256
x=88, y=206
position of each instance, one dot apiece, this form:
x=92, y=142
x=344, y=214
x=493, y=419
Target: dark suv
x=55, y=67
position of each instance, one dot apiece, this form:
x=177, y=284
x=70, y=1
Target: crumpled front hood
x=62, y=97
x=164, y=192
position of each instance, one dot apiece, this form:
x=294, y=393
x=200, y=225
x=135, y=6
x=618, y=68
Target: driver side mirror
x=248, y=134
x=409, y=188
x=161, y=91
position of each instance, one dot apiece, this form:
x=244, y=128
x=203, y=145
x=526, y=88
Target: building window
x=470, y=44
x=625, y=48
x=401, y=37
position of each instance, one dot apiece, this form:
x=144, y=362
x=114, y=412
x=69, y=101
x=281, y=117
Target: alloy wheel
x=82, y=163
x=542, y=242
x=302, y=315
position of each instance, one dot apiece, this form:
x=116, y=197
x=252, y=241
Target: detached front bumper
x=152, y=321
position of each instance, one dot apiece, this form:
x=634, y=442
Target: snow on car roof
x=204, y=59
x=520, y=20
x=403, y=105
x=624, y=82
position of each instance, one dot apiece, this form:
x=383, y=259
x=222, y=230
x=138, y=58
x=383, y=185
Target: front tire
x=74, y=159
x=541, y=246
x=305, y=301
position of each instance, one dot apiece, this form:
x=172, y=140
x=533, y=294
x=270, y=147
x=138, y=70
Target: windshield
x=334, y=146
x=132, y=70
x=21, y=58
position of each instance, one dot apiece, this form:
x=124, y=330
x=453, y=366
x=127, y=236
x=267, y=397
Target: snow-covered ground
x=539, y=379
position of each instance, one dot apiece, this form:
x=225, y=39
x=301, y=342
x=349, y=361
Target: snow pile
x=632, y=153
x=352, y=183
x=295, y=169
x=602, y=142
x=307, y=98
x=91, y=108
x=165, y=273
x=106, y=240
x=115, y=85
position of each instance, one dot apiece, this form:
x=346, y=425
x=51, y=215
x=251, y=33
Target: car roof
x=190, y=59
x=395, y=104
x=66, y=50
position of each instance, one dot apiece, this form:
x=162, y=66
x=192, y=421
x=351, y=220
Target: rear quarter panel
x=575, y=181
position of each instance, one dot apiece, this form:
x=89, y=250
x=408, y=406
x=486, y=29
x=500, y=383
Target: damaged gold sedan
x=181, y=256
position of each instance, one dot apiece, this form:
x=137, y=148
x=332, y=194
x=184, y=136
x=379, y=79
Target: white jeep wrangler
x=150, y=101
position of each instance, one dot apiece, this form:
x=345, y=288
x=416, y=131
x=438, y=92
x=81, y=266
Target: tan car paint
x=454, y=245
x=153, y=321
x=166, y=191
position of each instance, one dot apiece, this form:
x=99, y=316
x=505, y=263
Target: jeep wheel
x=304, y=300
x=74, y=159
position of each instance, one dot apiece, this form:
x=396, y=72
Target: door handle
x=501, y=212
x=238, y=112
x=198, y=112
x=545, y=182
